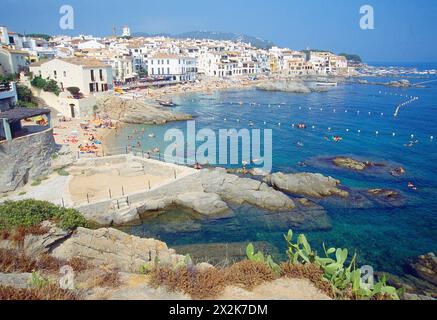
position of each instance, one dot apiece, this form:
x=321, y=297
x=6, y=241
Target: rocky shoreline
x=136, y=111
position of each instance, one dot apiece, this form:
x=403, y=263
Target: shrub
x=73, y=90
x=38, y=82
x=50, y=292
x=36, y=183
x=52, y=86
x=13, y=261
x=63, y=172
x=311, y=272
x=38, y=281
x=109, y=279
x=29, y=213
x=250, y=274
x=204, y=284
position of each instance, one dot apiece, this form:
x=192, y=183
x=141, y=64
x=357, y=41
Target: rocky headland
x=136, y=111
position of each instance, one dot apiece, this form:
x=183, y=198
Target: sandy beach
x=70, y=133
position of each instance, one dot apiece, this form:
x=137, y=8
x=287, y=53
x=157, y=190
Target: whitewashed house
x=89, y=75
x=174, y=67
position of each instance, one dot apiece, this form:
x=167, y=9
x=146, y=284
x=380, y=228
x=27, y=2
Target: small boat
x=327, y=84
x=167, y=103
x=152, y=135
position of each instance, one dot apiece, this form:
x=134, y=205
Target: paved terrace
x=93, y=181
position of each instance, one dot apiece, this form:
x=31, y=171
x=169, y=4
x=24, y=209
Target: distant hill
x=255, y=41
x=352, y=57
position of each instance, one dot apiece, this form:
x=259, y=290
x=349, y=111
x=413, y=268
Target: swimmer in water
x=412, y=186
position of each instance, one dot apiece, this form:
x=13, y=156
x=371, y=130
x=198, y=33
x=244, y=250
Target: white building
x=178, y=68
x=126, y=31
x=90, y=44
x=13, y=61
x=89, y=75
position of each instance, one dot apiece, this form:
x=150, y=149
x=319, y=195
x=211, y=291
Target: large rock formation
x=25, y=158
x=116, y=249
x=207, y=191
x=244, y=191
x=306, y=184
x=34, y=245
x=136, y=111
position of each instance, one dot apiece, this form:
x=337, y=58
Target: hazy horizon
x=403, y=29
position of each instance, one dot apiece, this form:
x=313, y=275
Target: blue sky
x=405, y=30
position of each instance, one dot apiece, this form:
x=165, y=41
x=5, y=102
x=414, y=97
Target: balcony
x=8, y=91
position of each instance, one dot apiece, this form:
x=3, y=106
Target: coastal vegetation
x=31, y=213
x=46, y=85
x=336, y=274
x=25, y=97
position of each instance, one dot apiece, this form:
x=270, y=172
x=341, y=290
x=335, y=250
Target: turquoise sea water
x=385, y=238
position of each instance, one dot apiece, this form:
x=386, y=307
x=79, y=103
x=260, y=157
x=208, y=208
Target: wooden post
x=110, y=193
x=63, y=204
x=122, y=191
x=118, y=205
x=126, y=149
x=175, y=176
x=150, y=186
x=88, y=198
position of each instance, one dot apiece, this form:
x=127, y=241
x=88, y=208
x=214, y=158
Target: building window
x=168, y=61
x=168, y=70
x=92, y=76
x=153, y=71
x=101, y=74
x=65, y=74
x=55, y=74
x=91, y=87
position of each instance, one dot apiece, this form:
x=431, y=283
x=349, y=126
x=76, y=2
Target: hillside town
x=125, y=59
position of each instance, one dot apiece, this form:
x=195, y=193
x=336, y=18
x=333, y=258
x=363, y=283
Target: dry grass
x=208, y=284
x=249, y=274
x=205, y=284
x=311, y=272
x=17, y=261
x=79, y=264
x=14, y=261
x=51, y=292
x=20, y=233
x=108, y=279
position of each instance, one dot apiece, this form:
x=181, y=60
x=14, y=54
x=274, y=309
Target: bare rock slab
x=116, y=249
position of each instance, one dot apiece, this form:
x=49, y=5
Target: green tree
x=52, y=86
x=38, y=82
x=24, y=93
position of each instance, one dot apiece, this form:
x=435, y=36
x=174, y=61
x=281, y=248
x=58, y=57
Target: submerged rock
x=223, y=254
x=352, y=164
x=425, y=267
x=306, y=184
x=365, y=199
